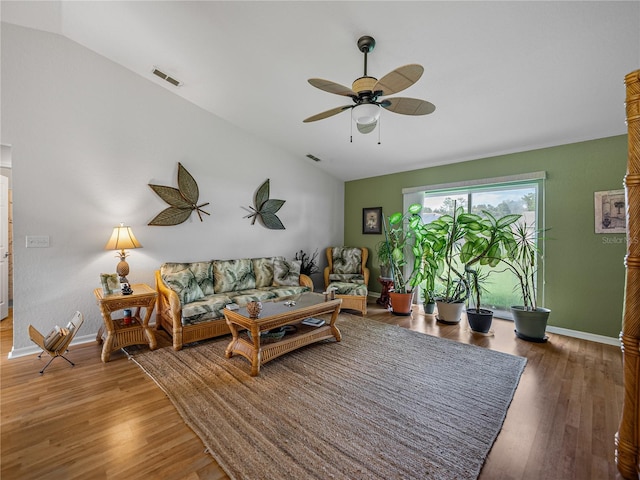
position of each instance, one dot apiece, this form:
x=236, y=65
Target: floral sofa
x=192, y=296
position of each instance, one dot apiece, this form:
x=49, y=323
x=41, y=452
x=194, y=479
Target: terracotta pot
x=401, y=303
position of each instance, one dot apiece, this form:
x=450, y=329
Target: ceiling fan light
x=365, y=113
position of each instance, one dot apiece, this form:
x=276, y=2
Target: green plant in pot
x=480, y=319
x=405, y=243
x=445, y=236
x=487, y=240
x=429, y=299
x=522, y=260
x=383, y=253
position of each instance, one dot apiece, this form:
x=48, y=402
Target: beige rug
x=385, y=403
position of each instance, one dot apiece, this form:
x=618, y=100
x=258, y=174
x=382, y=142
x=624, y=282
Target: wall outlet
x=37, y=241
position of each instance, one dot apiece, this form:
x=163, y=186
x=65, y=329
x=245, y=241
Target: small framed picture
x=372, y=220
x=610, y=212
x=110, y=283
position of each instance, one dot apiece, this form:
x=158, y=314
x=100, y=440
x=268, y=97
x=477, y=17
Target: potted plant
x=428, y=300
x=487, y=240
x=522, y=260
x=480, y=319
x=309, y=264
x=404, y=238
x=445, y=236
x=383, y=254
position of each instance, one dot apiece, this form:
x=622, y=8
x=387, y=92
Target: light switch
x=37, y=241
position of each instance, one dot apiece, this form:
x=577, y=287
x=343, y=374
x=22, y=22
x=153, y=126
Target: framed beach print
x=372, y=220
x=610, y=211
x=110, y=283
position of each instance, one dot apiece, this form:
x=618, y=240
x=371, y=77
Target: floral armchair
x=348, y=275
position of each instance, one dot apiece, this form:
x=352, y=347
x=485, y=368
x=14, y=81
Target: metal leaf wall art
x=182, y=200
x=265, y=208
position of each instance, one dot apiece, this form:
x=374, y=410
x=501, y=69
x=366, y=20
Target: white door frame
x=4, y=247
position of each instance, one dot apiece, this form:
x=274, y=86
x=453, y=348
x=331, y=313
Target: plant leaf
x=187, y=185
x=171, y=216
x=415, y=208
x=271, y=221
x=262, y=195
x=508, y=220
x=271, y=206
x=395, y=218
x=171, y=195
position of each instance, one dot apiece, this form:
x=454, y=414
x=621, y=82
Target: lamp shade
x=365, y=113
x=121, y=238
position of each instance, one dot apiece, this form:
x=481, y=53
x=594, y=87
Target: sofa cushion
x=348, y=288
x=346, y=277
x=286, y=272
x=347, y=260
x=288, y=291
x=203, y=271
x=205, y=309
x=263, y=271
x=253, y=295
x=184, y=283
x=233, y=275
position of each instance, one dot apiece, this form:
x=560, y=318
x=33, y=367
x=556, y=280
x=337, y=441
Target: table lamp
x=121, y=238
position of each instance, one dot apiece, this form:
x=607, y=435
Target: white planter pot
x=449, y=312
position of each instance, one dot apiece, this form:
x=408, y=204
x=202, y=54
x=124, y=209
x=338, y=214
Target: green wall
x=584, y=277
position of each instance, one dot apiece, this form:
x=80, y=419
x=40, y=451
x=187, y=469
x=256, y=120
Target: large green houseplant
x=522, y=260
x=409, y=255
x=444, y=237
x=487, y=240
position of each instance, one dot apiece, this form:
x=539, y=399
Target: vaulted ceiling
x=504, y=76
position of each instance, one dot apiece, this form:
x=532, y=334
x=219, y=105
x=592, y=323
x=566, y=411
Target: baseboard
x=34, y=349
x=584, y=335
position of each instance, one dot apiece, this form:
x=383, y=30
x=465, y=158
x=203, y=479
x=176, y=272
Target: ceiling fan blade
x=328, y=113
x=399, y=79
x=408, y=106
x=332, y=87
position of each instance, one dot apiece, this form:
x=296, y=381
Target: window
x=508, y=195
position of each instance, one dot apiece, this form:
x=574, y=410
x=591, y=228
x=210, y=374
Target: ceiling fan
x=366, y=92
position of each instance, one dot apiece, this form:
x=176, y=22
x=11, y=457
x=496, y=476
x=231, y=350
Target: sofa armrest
x=305, y=281
x=168, y=308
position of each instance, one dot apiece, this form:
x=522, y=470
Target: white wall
x=87, y=137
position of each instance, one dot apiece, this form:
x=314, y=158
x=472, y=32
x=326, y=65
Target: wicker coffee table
x=275, y=315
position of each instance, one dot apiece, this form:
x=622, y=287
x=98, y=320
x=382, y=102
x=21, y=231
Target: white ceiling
x=504, y=76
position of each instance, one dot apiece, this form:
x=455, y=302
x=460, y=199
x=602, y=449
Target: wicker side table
x=115, y=333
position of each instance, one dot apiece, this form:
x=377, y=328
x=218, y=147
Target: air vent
x=313, y=157
x=166, y=77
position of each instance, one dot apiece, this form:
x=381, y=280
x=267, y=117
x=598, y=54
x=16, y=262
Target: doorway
x=6, y=234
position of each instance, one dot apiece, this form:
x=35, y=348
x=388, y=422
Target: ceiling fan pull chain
x=351, y=132
x=379, y=127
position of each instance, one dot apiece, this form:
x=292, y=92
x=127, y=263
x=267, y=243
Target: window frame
x=413, y=195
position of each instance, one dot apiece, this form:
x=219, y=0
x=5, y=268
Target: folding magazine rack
x=57, y=342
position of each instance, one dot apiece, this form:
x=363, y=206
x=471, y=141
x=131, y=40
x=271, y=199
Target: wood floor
x=111, y=421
